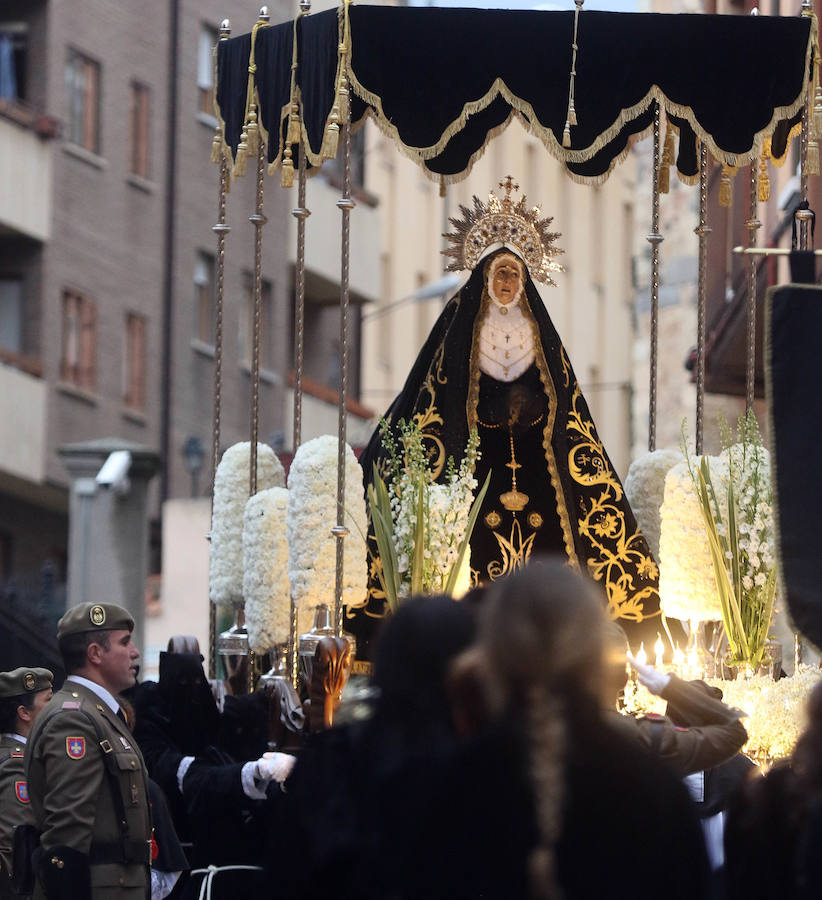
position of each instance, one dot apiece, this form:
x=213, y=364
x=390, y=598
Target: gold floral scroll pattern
x=428, y=418
x=618, y=559
x=515, y=552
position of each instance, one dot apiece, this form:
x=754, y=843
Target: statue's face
x=506, y=282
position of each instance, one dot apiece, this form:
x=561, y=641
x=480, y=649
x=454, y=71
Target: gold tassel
x=217, y=146
x=816, y=126
x=331, y=141
x=668, y=157
x=253, y=131
x=813, y=158
x=725, y=187
x=293, y=134
x=764, y=191
x=287, y=173
x=664, y=183
x=566, y=135
x=442, y=187
x=572, y=115
x=240, y=160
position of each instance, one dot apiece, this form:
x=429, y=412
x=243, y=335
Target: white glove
x=274, y=767
x=656, y=682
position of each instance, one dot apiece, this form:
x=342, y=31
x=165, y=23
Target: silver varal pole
x=654, y=239
x=702, y=231
x=752, y=224
x=301, y=213
x=221, y=230
x=345, y=204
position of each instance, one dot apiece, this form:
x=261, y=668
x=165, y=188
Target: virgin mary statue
x=494, y=361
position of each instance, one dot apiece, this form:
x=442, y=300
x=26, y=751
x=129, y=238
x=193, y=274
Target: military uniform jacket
x=72, y=797
x=15, y=808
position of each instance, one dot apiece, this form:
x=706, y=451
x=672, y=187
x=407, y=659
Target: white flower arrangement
x=312, y=513
x=687, y=588
x=645, y=489
x=230, y=496
x=776, y=709
x=423, y=527
x=739, y=528
x=266, y=587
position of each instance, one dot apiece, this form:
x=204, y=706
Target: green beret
x=94, y=617
x=24, y=681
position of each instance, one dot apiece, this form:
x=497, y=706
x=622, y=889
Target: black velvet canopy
x=440, y=81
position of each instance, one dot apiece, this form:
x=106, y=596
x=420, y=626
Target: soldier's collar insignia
x=75, y=747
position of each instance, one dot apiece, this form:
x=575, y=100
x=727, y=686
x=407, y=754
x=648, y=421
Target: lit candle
x=642, y=656
x=679, y=660
x=659, y=650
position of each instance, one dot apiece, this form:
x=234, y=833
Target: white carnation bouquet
x=266, y=586
x=312, y=513
x=687, y=588
x=231, y=481
x=422, y=527
x=645, y=490
x=739, y=525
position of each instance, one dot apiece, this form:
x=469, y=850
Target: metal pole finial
x=225, y=30
x=264, y=16
x=305, y=6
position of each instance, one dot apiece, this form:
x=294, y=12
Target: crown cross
x=508, y=184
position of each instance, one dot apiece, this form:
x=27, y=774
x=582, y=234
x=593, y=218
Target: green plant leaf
x=451, y=583
x=418, y=562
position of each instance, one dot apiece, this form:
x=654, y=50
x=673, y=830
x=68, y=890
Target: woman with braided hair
x=547, y=801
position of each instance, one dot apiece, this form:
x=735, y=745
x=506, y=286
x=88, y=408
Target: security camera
x=114, y=472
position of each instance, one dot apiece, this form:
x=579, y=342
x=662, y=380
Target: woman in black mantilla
x=494, y=361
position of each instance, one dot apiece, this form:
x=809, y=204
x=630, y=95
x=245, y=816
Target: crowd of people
x=489, y=761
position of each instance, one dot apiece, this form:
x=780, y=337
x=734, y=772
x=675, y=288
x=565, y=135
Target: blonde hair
x=542, y=635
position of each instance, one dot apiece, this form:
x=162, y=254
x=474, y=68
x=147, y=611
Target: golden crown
x=503, y=221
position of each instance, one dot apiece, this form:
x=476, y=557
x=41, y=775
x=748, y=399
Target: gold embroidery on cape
x=602, y=524
x=566, y=365
x=515, y=552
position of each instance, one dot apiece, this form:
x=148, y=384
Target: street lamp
x=193, y=457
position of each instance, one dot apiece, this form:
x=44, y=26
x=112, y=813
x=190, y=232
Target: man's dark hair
x=73, y=647
x=8, y=710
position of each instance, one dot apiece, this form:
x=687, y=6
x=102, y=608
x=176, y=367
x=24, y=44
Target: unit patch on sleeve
x=76, y=747
x=21, y=791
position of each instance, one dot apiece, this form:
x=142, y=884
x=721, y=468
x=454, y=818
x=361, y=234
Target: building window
x=204, y=297
x=134, y=389
x=246, y=332
x=11, y=314
x=138, y=128
x=205, y=69
x=77, y=362
x=83, y=83
x=13, y=47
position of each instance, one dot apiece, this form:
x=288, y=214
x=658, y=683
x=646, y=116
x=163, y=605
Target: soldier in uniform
x=87, y=779
x=23, y=694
